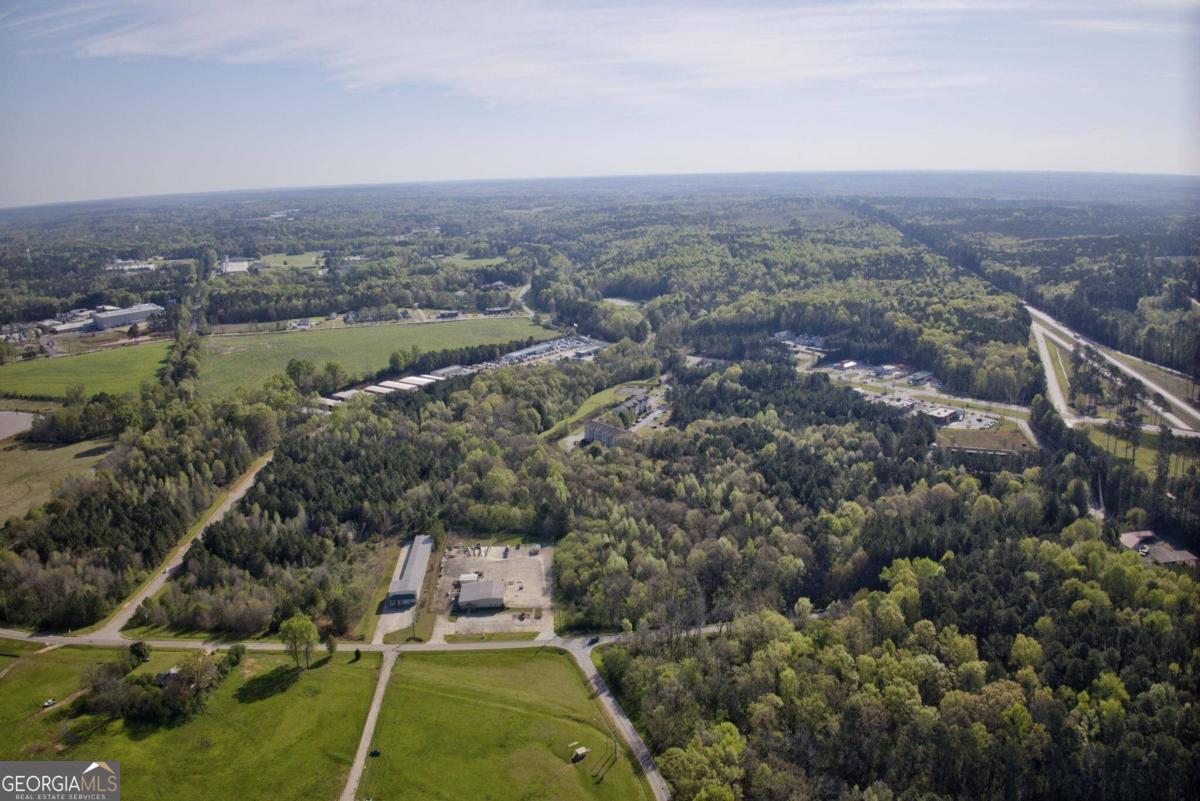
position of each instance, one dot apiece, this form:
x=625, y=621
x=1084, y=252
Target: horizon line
x=584, y=177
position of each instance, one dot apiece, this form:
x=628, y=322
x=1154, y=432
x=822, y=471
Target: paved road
x=1057, y=394
x=1064, y=336
x=118, y=621
x=579, y=648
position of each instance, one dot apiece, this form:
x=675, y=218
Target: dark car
x=593, y=640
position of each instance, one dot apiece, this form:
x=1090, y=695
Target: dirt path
x=364, y=742
x=118, y=621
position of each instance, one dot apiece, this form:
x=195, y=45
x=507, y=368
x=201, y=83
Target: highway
x=1067, y=338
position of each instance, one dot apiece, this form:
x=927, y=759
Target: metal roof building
x=398, y=385
x=133, y=314
x=487, y=594
x=407, y=588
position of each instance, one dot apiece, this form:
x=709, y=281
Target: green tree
x=299, y=634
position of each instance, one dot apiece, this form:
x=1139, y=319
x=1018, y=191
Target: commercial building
x=453, y=371
x=920, y=377
x=407, y=588
x=487, y=594
x=347, y=394
x=1154, y=549
x=375, y=389
x=399, y=386
x=121, y=317
x=941, y=415
x=605, y=434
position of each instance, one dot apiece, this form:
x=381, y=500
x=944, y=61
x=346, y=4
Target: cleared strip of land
x=247, y=360
x=117, y=371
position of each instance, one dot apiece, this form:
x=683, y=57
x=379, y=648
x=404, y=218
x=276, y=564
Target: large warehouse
x=481, y=595
x=129, y=316
x=407, y=588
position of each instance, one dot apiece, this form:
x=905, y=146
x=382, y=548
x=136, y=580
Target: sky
x=115, y=98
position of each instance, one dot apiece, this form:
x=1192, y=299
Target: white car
x=49, y=702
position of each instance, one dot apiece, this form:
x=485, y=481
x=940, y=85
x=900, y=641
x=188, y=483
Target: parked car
x=593, y=640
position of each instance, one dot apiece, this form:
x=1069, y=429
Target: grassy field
x=12, y=650
x=116, y=371
x=232, y=362
x=463, y=260
x=1147, y=450
x=267, y=729
x=1004, y=437
x=495, y=725
x=381, y=563
x=22, y=405
x=29, y=473
x=313, y=258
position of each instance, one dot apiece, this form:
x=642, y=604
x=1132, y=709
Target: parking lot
x=527, y=589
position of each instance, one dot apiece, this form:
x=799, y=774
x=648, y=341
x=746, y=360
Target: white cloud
x=522, y=51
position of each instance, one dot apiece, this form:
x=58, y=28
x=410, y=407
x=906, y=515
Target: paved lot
x=527, y=587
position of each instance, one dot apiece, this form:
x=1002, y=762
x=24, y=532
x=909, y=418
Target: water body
x=13, y=423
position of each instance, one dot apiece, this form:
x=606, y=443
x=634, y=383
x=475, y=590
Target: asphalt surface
x=1066, y=338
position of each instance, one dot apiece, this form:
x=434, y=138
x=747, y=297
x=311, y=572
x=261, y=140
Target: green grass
x=267, y=730
x=32, y=733
x=384, y=562
x=495, y=725
x=232, y=362
x=494, y=636
x=1005, y=437
x=465, y=261
x=29, y=473
x=1061, y=362
x=12, y=650
x=313, y=258
x=599, y=402
x=21, y=405
x=1147, y=451
x=116, y=371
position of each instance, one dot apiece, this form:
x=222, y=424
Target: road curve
x=1058, y=331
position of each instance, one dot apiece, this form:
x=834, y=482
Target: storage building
x=481, y=595
x=407, y=588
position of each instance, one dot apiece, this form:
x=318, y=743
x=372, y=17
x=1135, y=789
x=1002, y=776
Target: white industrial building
x=399, y=386
x=121, y=317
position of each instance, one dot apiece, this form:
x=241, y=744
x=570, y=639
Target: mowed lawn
x=267, y=732
x=29, y=473
x=116, y=371
x=232, y=362
x=312, y=258
x=495, y=726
